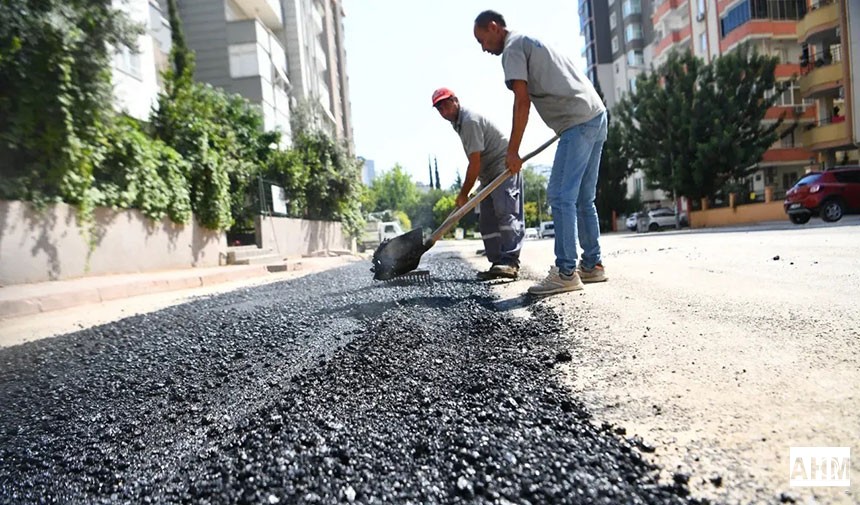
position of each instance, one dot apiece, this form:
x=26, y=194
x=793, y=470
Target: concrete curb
x=25, y=300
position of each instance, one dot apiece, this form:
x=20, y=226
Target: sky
x=399, y=51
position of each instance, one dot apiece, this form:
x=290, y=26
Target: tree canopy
x=693, y=127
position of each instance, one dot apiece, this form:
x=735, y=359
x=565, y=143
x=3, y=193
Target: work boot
x=596, y=274
x=555, y=282
x=487, y=274
x=505, y=271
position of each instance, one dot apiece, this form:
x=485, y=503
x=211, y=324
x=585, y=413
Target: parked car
x=664, y=217
x=547, y=229
x=531, y=233
x=632, y=221
x=829, y=194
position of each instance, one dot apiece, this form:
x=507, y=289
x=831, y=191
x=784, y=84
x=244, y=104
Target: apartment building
x=275, y=53
x=618, y=39
x=828, y=35
x=136, y=73
x=316, y=53
x=805, y=36
x=237, y=50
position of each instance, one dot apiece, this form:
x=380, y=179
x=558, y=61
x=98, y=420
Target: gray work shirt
x=562, y=94
x=479, y=135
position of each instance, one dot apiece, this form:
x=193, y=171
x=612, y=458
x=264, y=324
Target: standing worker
x=568, y=103
x=501, y=213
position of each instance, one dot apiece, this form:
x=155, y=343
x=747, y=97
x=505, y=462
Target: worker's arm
x=471, y=176
x=522, y=103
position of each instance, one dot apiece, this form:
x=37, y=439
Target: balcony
x=664, y=7
x=675, y=37
x=785, y=155
x=828, y=135
x=269, y=11
x=818, y=22
x=759, y=29
x=822, y=81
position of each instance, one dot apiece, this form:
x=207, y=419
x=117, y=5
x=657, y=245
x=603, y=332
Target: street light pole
x=674, y=194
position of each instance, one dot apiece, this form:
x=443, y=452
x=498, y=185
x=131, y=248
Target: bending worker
x=501, y=213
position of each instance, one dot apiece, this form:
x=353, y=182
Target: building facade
x=618, y=40
x=136, y=72
x=826, y=81
x=279, y=54
x=806, y=36
x=314, y=39
x=237, y=49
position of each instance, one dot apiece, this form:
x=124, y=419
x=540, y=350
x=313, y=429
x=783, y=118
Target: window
x=635, y=58
x=614, y=44
x=703, y=43
x=737, y=16
x=633, y=32
x=617, y=68
x=700, y=4
x=632, y=85
x=613, y=22
x=243, y=60
x=781, y=54
x=631, y=7
x=790, y=97
x=779, y=10
x=128, y=61
x=787, y=141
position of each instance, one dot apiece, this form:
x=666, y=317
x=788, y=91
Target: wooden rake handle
x=480, y=196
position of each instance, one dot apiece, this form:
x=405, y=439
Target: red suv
x=827, y=194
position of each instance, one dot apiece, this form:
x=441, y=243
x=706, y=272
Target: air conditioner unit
x=700, y=16
x=798, y=109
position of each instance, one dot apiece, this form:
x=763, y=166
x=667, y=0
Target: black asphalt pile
x=325, y=389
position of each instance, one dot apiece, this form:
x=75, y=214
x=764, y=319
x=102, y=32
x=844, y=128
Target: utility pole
x=674, y=194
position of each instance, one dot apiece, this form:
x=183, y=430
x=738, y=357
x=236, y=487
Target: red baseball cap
x=441, y=94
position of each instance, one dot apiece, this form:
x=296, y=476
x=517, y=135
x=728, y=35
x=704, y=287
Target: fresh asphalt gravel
x=328, y=388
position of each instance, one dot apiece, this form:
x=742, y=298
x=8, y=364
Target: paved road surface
x=722, y=349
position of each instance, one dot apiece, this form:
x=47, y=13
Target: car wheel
x=799, y=218
x=832, y=210
x=653, y=227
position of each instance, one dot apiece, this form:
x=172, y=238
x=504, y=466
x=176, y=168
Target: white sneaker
x=556, y=283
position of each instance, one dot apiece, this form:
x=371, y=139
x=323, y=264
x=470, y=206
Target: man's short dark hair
x=485, y=18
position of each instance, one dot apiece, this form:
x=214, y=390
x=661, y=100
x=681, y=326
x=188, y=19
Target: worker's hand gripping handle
x=479, y=197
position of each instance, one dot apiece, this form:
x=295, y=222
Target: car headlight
x=815, y=189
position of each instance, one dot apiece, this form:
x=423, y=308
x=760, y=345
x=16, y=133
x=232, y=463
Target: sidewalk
x=20, y=300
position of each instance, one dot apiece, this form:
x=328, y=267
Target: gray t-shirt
x=562, y=94
x=479, y=135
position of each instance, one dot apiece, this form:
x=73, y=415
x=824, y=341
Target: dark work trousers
x=501, y=222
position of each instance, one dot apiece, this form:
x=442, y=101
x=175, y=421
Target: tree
x=534, y=188
x=611, y=181
x=221, y=136
x=394, y=190
x=438, y=185
x=56, y=95
x=443, y=208
x=737, y=90
x=530, y=210
x=422, y=212
x=430, y=171
x=692, y=127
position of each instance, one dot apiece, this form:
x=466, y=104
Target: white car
x=664, y=217
x=632, y=221
x=547, y=229
x=531, y=233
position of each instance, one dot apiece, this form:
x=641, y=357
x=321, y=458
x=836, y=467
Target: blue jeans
x=571, y=191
